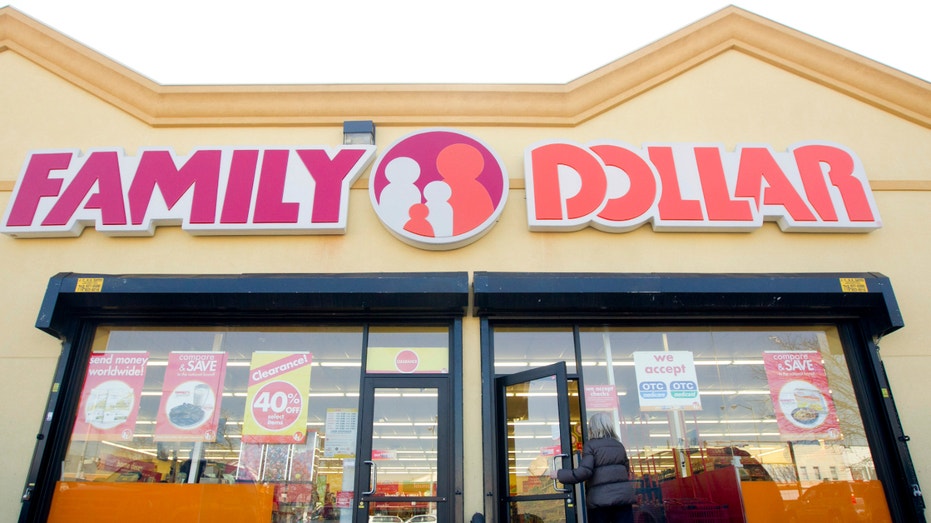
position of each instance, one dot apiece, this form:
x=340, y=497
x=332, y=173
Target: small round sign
x=277, y=405
x=406, y=361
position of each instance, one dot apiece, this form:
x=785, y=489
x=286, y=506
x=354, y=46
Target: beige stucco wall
x=733, y=98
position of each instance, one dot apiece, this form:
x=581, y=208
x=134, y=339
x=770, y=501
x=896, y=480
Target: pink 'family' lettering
x=224, y=190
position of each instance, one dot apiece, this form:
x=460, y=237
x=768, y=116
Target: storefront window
x=744, y=421
x=272, y=413
x=518, y=349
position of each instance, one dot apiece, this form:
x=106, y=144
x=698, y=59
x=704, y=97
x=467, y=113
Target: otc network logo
x=438, y=189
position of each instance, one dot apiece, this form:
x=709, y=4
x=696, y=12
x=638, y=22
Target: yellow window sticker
x=89, y=285
x=853, y=285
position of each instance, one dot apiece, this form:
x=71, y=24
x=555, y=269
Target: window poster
x=340, y=439
x=191, y=394
x=110, y=399
x=798, y=386
x=276, y=398
x=667, y=381
x=601, y=397
x=344, y=499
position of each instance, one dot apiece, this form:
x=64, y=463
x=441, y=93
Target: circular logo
x=406, y=361
x=438, y=189
x=277, y=405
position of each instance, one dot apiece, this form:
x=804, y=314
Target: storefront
x=400, y=304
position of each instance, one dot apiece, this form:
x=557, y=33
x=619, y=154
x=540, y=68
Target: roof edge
x=568, y=104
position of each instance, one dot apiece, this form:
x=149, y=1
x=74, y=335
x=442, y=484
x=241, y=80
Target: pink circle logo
x=406, y=361
x=438, y=189
x=277, y=405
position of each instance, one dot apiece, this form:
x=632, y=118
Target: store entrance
x=538, y=430
x=404, y=458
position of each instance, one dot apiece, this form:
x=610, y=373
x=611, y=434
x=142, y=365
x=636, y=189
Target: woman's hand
x=553, y=474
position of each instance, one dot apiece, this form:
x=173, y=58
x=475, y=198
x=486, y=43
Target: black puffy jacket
x=603, y=467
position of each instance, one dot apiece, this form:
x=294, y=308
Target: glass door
x=534, y=434
x=403, y=466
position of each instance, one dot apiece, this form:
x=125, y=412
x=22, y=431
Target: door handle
x=557, y=467
x=373, y=478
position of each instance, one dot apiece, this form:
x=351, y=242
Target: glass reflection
x=404, y=453
x=308, y=480
x=740, y=450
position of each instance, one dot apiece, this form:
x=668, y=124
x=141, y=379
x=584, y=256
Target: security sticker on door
x=666, y=381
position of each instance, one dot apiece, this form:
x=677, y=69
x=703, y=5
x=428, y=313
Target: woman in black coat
x=604, y=468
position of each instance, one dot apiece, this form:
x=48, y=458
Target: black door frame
x=558, y=372
x=445, y=497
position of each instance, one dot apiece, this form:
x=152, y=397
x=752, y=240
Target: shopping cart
x=688, y=510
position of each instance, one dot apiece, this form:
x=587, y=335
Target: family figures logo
x=438, y=189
